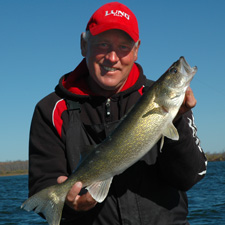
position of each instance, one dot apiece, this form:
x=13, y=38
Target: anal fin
x=99, y=190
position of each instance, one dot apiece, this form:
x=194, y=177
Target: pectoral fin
x=99, y=190
x=171, y=132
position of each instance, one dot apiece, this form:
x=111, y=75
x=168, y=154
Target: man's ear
x=83, y=46
x=136, y=49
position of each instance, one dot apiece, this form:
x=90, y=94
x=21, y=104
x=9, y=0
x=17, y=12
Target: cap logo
x=117, y=13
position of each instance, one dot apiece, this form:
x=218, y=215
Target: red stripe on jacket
x=57, y=121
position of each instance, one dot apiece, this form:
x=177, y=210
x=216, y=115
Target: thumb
x=61, y=179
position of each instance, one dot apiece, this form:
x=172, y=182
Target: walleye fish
x=149, y=121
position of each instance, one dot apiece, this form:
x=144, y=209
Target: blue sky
x=40, y=41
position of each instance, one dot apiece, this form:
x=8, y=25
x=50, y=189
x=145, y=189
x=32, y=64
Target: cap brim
x=102, y=28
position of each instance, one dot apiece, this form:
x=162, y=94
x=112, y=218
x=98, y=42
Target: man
x=86, y=106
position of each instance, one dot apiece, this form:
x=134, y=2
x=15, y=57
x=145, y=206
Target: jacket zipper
x=108, y=107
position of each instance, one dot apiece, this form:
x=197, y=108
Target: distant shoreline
x=215, y=157
x=13, y=168
x=12, y=174
x=17, y=168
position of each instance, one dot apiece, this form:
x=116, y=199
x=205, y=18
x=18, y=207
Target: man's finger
x=190, y=99
x=61, y=179
x=72, y=194
x=84, y=202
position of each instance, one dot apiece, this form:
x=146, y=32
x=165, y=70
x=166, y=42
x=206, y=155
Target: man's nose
x=112, y=56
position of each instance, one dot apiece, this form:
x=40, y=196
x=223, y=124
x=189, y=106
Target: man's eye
x=124, y=48
x=103, y=45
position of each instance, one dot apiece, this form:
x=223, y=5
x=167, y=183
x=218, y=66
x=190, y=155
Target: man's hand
x=78, y=202
x=188, y=103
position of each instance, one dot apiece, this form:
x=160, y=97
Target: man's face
x=110, y=57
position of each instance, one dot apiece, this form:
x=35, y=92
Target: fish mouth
x=186, y=68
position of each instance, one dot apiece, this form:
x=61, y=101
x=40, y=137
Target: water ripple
x=206, y=199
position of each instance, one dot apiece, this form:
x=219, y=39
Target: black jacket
x=152, y=191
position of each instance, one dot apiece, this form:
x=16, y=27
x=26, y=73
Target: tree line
x=13, y=167
x=215, y=156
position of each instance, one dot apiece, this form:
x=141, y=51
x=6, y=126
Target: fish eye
x=173, y=70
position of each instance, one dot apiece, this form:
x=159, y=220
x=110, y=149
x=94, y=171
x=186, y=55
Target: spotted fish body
x=148, y=122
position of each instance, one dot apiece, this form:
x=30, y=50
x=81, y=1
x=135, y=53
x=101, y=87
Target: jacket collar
x=75, y=85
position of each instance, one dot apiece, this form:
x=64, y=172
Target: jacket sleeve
x=47, y=160
x=183, y=162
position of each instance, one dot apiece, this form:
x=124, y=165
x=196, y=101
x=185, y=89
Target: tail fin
x=49, y=202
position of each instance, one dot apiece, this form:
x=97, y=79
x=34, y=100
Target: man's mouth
x=109, y=68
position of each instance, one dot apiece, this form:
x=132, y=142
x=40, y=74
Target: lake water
x=206, y=199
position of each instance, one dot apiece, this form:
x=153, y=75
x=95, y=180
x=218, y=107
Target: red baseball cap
x=114, y=15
